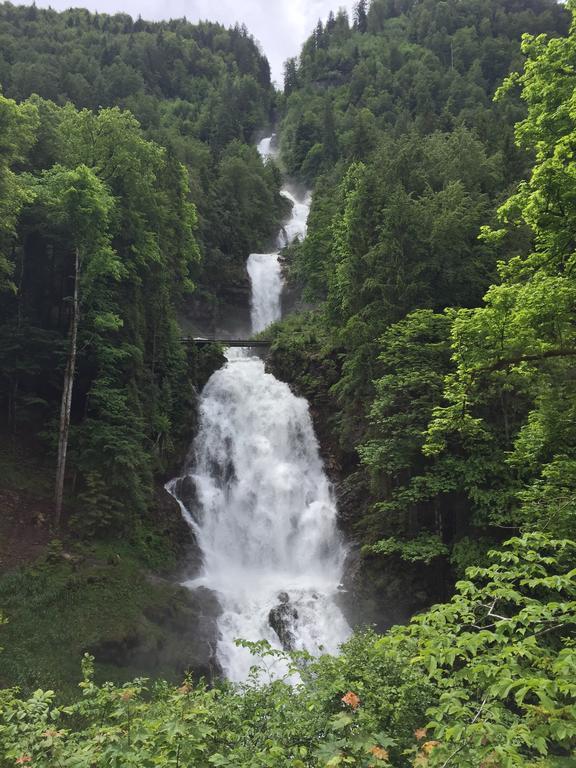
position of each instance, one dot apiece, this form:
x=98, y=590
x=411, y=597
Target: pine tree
x=290, y=76
x=331, y=23
x=361, y=16
x=319, y=35
x=330, y=138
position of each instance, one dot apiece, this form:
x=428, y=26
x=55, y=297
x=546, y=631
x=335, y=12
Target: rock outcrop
x=282, y=619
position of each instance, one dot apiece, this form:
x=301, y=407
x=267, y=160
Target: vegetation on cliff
x=445, y=409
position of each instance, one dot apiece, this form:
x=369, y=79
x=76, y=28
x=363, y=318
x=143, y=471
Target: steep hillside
x=130, y=196
x=392, y=119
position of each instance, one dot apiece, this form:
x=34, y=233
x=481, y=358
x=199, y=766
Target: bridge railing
x=227, y=342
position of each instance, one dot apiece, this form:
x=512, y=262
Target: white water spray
x=265, y=274
x=265, y=518
x=268, y=148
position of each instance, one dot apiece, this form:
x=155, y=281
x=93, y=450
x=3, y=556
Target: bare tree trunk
x=66, y=405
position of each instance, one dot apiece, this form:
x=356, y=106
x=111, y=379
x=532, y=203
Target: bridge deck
x=228, y=342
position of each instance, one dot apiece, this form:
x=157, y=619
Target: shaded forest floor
x=115, y=599
x=25, y=503
x=23, y=533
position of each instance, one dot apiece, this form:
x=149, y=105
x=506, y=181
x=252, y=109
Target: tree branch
x=461, y=747
x=535, y=357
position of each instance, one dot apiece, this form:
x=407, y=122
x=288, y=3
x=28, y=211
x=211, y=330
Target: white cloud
x=281, y=26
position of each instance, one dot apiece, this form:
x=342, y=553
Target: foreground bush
x=488, y=679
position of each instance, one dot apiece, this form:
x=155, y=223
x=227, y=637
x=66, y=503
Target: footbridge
x=202, y=342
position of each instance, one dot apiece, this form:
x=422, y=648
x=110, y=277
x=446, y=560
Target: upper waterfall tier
x=264, y=269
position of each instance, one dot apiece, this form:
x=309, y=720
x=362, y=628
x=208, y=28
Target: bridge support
x=227, y=342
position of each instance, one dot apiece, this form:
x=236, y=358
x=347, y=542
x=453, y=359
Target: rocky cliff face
x=178, y=635
x=224, y=316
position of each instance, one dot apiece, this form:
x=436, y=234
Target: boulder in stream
x=282, y=618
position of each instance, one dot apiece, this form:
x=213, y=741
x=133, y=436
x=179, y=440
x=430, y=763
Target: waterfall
x=268, y=147
x=296, y=226
x=264, y=269
x=265, y=275
x=264, y=514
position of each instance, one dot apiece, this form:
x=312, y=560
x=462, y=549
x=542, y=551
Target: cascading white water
x=268, y=148
x=264, y=269
x=264, y=518
x=296, y=227
x=265, y=275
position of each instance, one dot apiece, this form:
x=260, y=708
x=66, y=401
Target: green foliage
x=97, y=60
x=413, y=64
x=97, y=597
x=514, y=354
x=17, y=128
x=444, y=417
x=136, y=260
x=502, y=651
x=486, y=679
x=412, y=364
x=197, y=90
x=132, y=149
x=468, y=551
x=423, y=549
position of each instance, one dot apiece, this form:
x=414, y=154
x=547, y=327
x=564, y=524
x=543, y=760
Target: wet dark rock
x=169, y=522
x=223, y=316
x=352, y=499
x=282, y=619
x=185, y=490
x=173, y=639
x=189, y=554
x=381, y=593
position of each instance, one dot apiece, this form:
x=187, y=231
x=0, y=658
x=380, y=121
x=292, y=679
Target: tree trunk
x=66, y=405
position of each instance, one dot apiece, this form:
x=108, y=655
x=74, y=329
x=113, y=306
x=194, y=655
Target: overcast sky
x=281, y=26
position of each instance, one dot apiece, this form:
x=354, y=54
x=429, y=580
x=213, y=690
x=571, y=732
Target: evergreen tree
x=361, y=16
x=290, y=76
x=329, y=136
x=78, y=204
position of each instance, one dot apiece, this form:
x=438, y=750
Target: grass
x=57, y=611
x=80, y=597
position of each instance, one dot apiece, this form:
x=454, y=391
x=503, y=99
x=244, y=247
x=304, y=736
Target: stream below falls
x=264, y=515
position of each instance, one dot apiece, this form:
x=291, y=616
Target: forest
x=433, y=334
x=135, y=185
